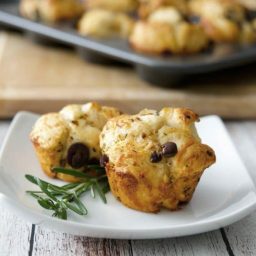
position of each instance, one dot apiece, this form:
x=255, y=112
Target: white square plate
x=225, y=193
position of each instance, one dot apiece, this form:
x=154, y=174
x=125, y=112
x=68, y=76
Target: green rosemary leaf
x=100, y=192
x=105, y=188
x=46, y=203
x=57, y=190
x=60, y=199
x=61, y=213
x=74, y=208
x=83, y=189
x=33, y=194
x=44, y=187
x=41, y=192
x=92, y=191
x=71, y=172
x=80, y=205
x=70, y=185
x=31, y=178
x=77, y=207
x=36, y=180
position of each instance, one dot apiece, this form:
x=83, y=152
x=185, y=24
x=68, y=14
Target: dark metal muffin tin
x=161, y=70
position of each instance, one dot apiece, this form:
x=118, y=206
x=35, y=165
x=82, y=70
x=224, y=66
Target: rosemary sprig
x=60, y=199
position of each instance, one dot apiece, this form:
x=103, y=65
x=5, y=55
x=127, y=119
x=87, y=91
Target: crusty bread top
x=147, y=131
x=74, y=123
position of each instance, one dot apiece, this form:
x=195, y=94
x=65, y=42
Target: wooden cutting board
x=42, y=79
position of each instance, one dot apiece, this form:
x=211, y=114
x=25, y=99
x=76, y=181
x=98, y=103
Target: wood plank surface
x=198, y=245
x=62, y=244
x=49, y=243
x=15, y=233
x=242, y=235
x=42, y=79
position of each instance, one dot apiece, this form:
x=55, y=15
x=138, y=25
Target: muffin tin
x=161, y=70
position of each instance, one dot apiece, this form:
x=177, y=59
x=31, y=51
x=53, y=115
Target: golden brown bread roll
x=149, y=6
x=103, y=23
x=154, y=159
x=113, y=5
x=165, y=30
x=51, y=10
x=70, y=138
x=224, y=21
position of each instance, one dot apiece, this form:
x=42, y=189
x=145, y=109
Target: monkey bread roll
x=70, y=138
x=225, y=21
x=149, y=6
x=166, y=31
x=101, y=23
x=51, y=10
x=154, y=159
x=113, y=5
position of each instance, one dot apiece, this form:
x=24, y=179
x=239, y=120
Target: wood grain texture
x=199, y=245
x=49, y=243
x=52, y=243
x=47, y=78
x=14, y=232
x=242, y=235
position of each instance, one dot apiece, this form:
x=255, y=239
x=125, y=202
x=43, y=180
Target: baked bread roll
x=154, y=159
x=113, y=5
x=166, y=31
x=224, y=21
x=70, y=138
x=103, y=23
x=149, y=6
x=51, y=10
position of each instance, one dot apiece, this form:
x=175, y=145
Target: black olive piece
x=169, y=149
x=78, y=155
x=155, y=157
x=94, y=160
x=104, y=160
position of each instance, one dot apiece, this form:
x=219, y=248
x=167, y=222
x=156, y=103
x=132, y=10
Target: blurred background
x=130, y=54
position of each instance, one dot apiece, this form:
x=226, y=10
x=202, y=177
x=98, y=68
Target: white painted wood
x=244, y=138
x=209, y=244
x=49, y=243
x=242, y=235
x=14, y=232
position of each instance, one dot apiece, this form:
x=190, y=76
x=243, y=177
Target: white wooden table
x=18, y=237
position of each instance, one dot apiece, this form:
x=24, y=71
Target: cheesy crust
x=139, y=183
x=104, y=23
x=51, y=10
x=165, y=31
x=224, y=21
x=54, y=133
x=147, y=7
x=113, y=5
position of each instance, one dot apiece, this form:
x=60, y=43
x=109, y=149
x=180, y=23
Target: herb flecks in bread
x=155, y=159
x=70, y=138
